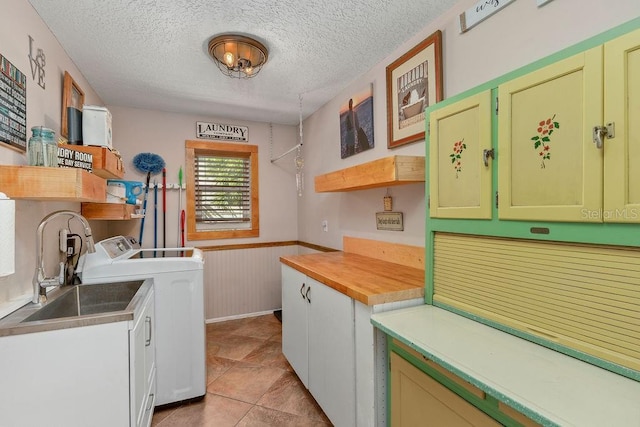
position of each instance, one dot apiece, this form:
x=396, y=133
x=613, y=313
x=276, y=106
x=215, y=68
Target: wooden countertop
x=368, y=280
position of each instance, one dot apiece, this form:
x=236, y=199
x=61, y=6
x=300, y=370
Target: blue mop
x=148, y=163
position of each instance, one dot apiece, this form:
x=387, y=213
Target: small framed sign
x=222, y=132
x=481, y=11
x=391, y=221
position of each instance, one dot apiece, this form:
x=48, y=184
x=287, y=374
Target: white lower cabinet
x=98, y=375
x=318, y=340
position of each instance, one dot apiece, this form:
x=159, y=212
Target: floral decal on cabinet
x=456, y=156
x=542, y=140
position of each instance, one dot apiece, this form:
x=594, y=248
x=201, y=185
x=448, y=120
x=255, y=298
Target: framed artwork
x=72, y=96
x=414, y=81
x=356, y=123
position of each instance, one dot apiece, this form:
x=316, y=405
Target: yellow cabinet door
x=459, y=178
x=622, y=108
x=548, y=166
x=419, y=400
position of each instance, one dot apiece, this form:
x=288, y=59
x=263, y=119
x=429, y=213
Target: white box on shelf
x=96, y=126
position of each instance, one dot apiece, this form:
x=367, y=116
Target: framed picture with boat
x=414, y=81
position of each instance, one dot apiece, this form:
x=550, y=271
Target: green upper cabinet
x=622, y=108
x=548, y=166
x=567, y=148
x=459, y=167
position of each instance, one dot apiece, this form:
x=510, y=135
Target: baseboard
x=240, y=316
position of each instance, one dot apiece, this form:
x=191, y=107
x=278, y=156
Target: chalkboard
x=13, y=105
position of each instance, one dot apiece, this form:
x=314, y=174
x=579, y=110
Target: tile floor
x=249, y=382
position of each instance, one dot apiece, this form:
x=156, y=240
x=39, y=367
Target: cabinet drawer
x=418, y=399
x=467, y=385
x=476, y=407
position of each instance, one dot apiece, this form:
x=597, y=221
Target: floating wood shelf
x=385, y=172
x=105, y=163
x=109, y=211
x=43, y=183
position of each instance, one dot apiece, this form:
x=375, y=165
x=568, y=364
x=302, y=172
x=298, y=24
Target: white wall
x=138, y=131
x=44, y=106
x=515, y=36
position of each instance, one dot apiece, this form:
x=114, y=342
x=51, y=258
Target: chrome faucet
x=40, y=280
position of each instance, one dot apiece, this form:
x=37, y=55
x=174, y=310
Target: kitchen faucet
x=40, y=280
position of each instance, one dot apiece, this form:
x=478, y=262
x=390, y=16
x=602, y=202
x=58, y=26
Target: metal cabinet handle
x=148, y=341
x=485, y=156
x=150, y=402
x=602, y=132
x=302, y=290
x=307, y=294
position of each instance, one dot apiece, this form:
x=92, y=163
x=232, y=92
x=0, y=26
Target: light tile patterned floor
x=249, y=382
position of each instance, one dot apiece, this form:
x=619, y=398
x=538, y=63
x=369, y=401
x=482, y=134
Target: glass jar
x=42, y=149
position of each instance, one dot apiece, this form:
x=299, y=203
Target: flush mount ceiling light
x=238, y=56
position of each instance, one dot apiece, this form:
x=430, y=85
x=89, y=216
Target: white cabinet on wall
x=318, y=340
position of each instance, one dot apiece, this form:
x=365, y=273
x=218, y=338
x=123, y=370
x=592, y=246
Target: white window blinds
x=222, y=191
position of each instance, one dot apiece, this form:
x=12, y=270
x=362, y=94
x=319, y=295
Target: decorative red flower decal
x=542, y=139
x=456, y=156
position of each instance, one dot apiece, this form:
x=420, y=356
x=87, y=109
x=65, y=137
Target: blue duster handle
x=144, y=208
x=148, y=163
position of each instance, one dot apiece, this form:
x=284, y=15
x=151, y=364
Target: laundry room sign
x=479, y=12
x=222, y=132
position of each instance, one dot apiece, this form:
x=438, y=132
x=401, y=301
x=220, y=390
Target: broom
x=148, y=163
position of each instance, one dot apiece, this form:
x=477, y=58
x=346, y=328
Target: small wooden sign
x=222, y=132
x=481, y=11
x=69, y=158
x=391, y=221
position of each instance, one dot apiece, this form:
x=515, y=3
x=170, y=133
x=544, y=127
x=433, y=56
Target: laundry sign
x=222, y=132
x=479, y=12
x=70, y=158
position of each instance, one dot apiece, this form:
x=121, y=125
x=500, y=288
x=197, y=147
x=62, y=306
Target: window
x=222, y=190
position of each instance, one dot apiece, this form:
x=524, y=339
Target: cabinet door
x=332, y=352
x=548, y=166
x=459, y=180
x=294, y=322
x=622, y=108
x=150, y=341
x=141, y=360
x=419, y=400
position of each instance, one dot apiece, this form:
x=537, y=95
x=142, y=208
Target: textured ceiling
x=153, y=53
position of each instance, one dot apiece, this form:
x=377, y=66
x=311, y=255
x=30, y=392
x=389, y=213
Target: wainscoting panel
x=243, y=281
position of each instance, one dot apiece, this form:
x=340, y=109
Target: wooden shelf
x=43, y=183
x=109, y=211
x=105, y=163
x=385, y=172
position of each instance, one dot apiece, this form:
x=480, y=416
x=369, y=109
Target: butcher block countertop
x=368, y=280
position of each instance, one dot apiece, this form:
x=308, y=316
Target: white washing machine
x=179, y=308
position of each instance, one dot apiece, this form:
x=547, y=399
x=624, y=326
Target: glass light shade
x=238, y=56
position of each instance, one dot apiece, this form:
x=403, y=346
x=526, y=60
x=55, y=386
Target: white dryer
x=179, y=308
